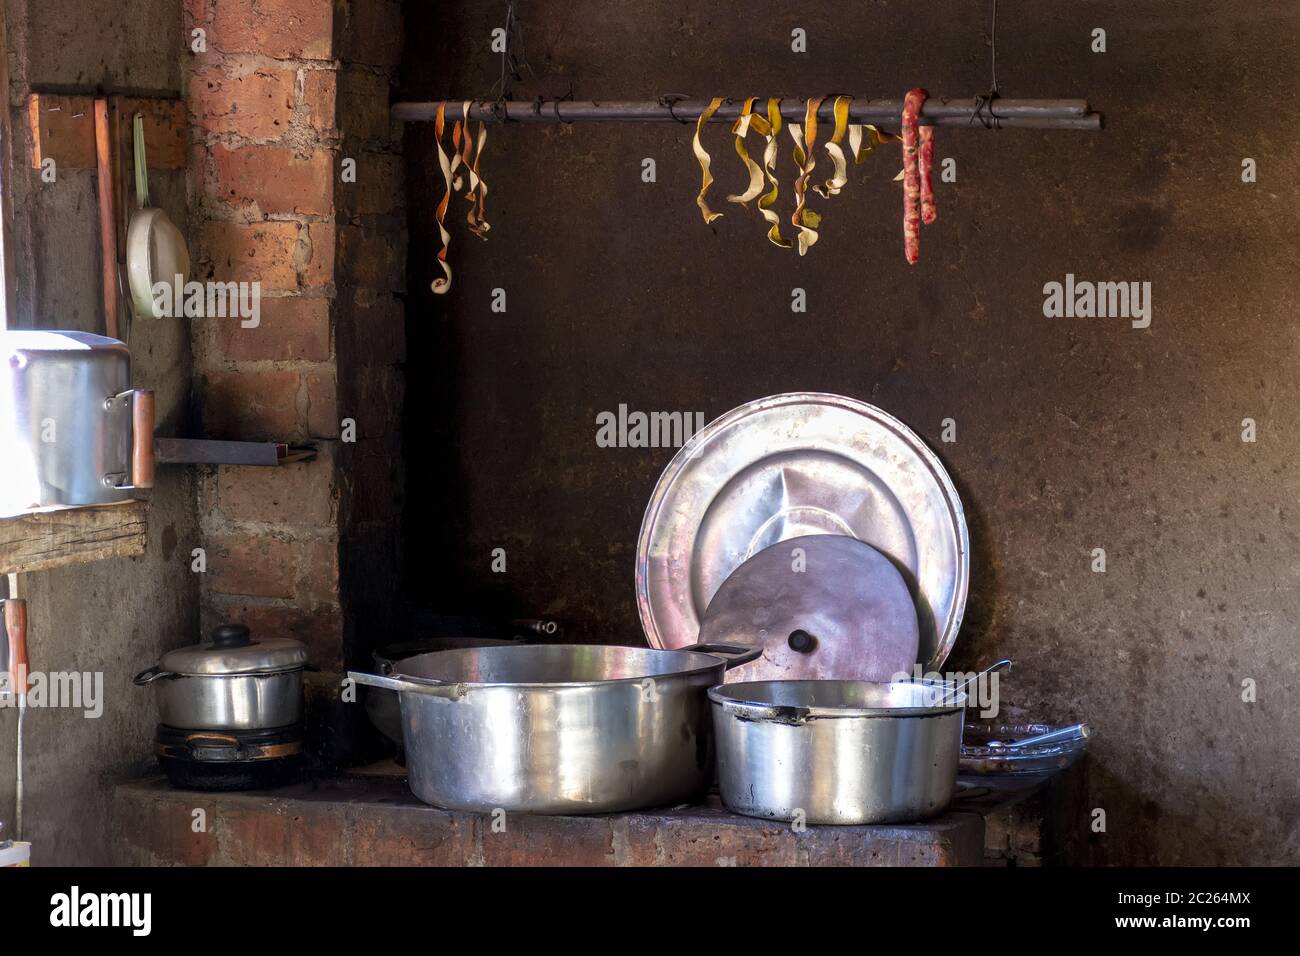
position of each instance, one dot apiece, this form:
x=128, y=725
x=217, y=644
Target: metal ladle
x=953, y=694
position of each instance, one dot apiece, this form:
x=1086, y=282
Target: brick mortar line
x=208, y=137
x=207, y=209
x=248, y=62
x=310, y=292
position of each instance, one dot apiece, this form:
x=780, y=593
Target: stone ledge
x=375, y=821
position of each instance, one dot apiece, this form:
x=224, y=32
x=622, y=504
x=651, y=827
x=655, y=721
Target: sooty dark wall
x=1072, y=434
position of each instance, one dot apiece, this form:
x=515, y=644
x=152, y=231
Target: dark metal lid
x=820, y=606
x=232, y=650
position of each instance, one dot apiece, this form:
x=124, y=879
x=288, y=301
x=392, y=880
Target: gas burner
x=230, y=759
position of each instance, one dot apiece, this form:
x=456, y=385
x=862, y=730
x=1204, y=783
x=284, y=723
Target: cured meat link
x=928, y=210
x=912, y=104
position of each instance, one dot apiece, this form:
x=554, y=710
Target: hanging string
x=984, y=104
x=993, y=50
x=514, y=59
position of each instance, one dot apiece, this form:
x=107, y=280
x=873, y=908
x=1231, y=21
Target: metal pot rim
x=266, y=672
x=731, y=698
x=59, y=340
x=461, y=687
x=155, y=673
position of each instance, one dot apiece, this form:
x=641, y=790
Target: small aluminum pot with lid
x=559, y=728
x=230, y=682
x=838, y=752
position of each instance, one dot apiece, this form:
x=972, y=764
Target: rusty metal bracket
x=203, y=451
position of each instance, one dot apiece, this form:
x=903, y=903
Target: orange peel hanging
x=770, y=129
x=702, y=155
x=835, y=150
x=805, y=142
x=740, y=130
x=443, y=283
x=477, y=192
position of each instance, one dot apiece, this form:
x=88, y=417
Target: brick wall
x=286, y=91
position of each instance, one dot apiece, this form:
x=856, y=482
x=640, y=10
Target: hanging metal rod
x=977, y=112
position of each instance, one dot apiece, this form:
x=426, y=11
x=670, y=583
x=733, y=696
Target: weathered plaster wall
x=114, y=617
x=1072, y=434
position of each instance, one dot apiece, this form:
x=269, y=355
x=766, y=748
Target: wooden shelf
x=55, y=539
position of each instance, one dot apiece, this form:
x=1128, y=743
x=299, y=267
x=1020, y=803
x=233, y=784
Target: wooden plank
x=7, y=315
x=62, y=128
x=54, y=539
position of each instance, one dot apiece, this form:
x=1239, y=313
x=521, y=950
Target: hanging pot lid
x=232, y=650
x=791, y=465
x=821, y=606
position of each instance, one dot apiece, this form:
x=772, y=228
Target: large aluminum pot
x=559, y=728
x=230, y=682
x=830, y=751
x=72, y=430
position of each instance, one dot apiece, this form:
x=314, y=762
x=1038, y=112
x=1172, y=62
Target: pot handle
x=150, y=675
x=417, y=685
x=733, y=654
x=142, y=425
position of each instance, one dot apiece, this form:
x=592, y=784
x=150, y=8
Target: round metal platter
x=821, y=606
x=799, y=464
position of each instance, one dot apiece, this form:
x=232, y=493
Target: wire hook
x=669, y=100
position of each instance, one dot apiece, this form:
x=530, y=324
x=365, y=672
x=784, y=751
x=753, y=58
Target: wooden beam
x=62, y=128
x=55, y=539
x=7, y=160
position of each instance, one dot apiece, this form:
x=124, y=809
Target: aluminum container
x=72, y=430
x=558, y=728
x=230, y=682
x=838, y=752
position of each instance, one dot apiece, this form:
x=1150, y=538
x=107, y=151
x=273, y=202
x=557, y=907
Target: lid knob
x=802, y=642
x=231, y=635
